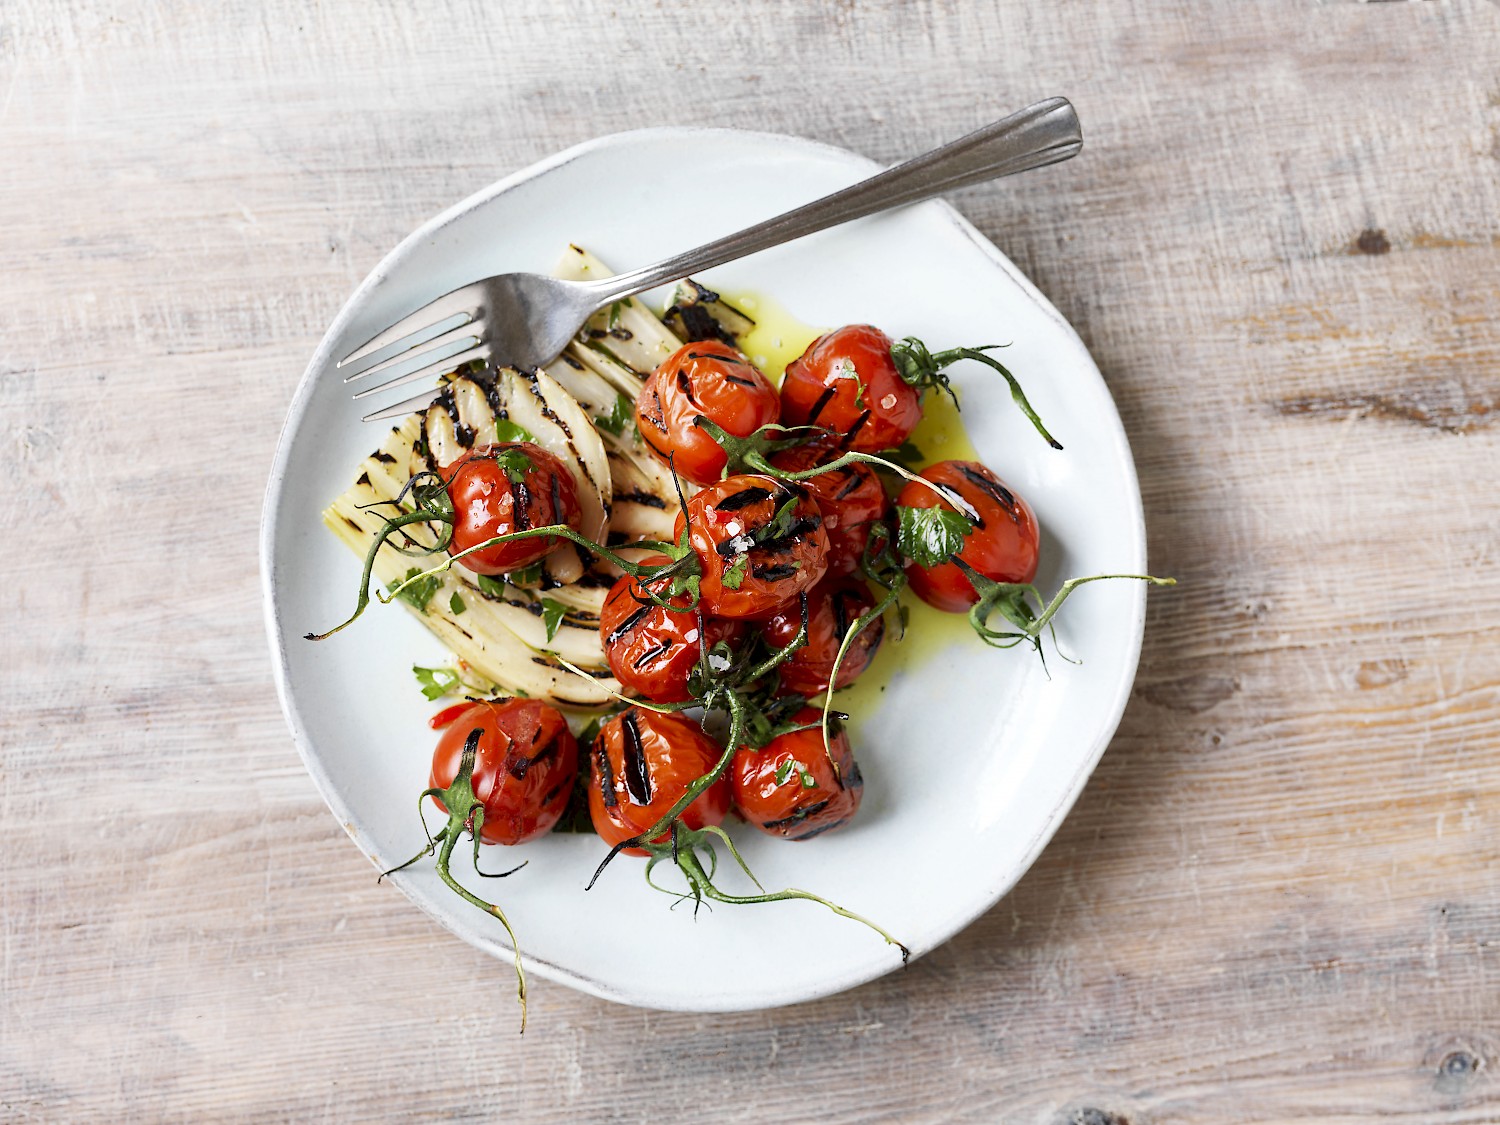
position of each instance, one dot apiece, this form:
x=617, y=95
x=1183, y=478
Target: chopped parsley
x=552, y=616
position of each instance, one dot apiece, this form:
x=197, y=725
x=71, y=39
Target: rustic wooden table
x=1279, y=897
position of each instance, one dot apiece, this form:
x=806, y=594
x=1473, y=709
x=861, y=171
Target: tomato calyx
x=687, y=850
x=921, y=368
x=750, y=453
x=466, y=814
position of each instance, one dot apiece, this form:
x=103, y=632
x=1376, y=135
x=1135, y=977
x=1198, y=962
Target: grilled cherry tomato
x=1002, y=546
x=652, y=650
x=754, y=563
x=850, y=497
x=523, y=769
x=503, y=488
x=832, y=607
x=847, y=382
x=710, y=379
x=789, y=788
x=640, y=764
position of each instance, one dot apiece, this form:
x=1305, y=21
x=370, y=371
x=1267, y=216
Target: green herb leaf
x=734, y=576
x=506, y=430
x=552, y=616
x=526, y=576
x=784, y=771
x=435, y=682
x=456, y=604
x=615, y=309
x=514, y=462
x=845, y=369
x=615, y=420
x=931, y=536
x=490, y=586
x=418, y=594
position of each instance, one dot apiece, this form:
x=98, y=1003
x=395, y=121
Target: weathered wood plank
x=1279, y=898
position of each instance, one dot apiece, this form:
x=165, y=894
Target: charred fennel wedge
x=497, y=629
x=581, y=407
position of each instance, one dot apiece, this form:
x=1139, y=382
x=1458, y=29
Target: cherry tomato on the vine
x=652, y=650
x=847, y=382
x=1003, y=545
x=710, y=379
x=851, y=498
x=523, y=768
x=504, y=488
x=760, y=543
x=832, y=607
x=640, y=764
x=789, y=788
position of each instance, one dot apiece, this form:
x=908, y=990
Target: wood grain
x=1279, y=898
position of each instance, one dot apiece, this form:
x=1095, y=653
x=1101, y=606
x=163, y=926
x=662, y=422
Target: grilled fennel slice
x=498, y=632
x=580, y=407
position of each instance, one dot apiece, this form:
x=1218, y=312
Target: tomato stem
x=391, y=526
x=856, y=627
x=683, y=851
x=466, y=814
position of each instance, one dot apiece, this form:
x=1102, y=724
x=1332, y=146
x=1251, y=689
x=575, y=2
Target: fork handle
x=1041, y=134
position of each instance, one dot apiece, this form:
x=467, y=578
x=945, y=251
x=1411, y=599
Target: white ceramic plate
x=973, y=757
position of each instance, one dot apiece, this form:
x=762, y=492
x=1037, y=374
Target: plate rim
x=318, y=365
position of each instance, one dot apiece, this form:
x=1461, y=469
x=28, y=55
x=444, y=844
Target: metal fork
x=526, y=319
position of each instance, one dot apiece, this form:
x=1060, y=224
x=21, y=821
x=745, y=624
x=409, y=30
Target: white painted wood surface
x=1279, y=898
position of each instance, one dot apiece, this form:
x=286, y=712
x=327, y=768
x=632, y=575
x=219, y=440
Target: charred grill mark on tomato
x=652, y=412
x=859, y=424
x=637, y=776
x=797, y=817
x=685, y=385
x=521, y=506
x=740, y=382
x=606, y=775
x=839, y=605
x=736, y=501
x=775, y=572
x=817, y=408
x=991, y=488
x=800, y=528
x=627, y=625
x=852, y=482
x=522, y=764
x=661, y=648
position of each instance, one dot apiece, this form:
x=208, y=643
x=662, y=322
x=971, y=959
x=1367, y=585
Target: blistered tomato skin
x=710, y=379
x=640, y=764
x=847, y=382
x=850, y=497
x=488, y=502
x=1003, y=546
x=751, y=567
x=789, y=788
x=652, y=650
x=523, y=768
x=832, y=607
